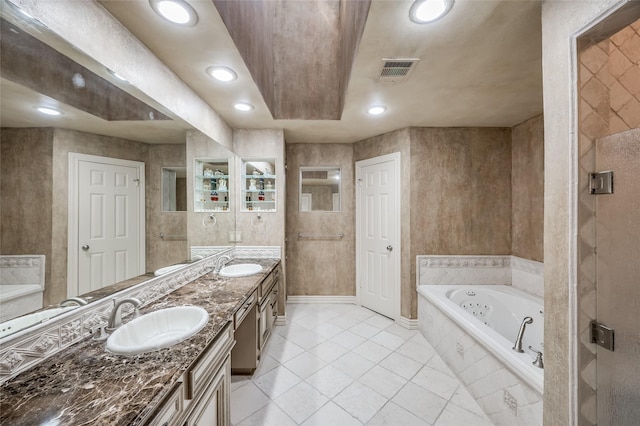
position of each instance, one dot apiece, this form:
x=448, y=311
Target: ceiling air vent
x=396, y=70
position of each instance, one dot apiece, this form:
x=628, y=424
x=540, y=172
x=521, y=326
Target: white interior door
x=109, y=222
x=378, y=228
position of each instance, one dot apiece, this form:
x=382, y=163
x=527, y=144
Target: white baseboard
x=322, y=299
x=410, y=324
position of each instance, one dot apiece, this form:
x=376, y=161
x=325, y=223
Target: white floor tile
x=394, y=415
x=332, y=415
x=379, y=321
x=352, y=364
x=388, y=340
x=276, y=382
x=271, y=415
x=372, y=351
x=305, y=364
x=301, y=401
x=348, y=339
x=330, y=381
x=328, y=351
x=439, y=383
x=420, y=402
x=456, y=416
x=401, y=365
x=360, y=401
x=245, y=401
x=383, y=381
x=416, y=351
x=317, y=372
x=364, y=330
x=284, y=351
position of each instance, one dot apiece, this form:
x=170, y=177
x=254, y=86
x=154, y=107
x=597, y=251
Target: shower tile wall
x=609, y=78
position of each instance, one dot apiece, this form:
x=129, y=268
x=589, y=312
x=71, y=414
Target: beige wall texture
x=527, y=189
x=41, y=197
x=323, y=266
x=562, y=22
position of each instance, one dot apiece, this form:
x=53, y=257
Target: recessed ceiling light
x=377, y=109
x=242, y=106
x=222, y=73
x=176, y=11
x=425, y=11
x=48, y=111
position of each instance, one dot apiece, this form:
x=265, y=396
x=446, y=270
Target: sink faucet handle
x=100, y=333
x=538, y=361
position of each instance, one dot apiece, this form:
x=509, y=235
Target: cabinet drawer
x=200, y=372
x=267, y=283
x=244, y=310
x=170, y=409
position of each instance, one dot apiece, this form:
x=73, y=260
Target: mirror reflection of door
x=319, y=189
x=106, y=222
x=174, y=189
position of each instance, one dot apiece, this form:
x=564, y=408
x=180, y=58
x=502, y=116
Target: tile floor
x=345, y=365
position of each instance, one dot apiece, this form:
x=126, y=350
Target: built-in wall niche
x=258, y=185
x=319, y=189
x=211, y=185
x=174, y=189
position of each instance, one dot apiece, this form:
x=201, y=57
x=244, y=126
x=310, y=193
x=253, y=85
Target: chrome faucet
x=517, y=346
x=538, y=361
x=220, y=262
x=115, y=319
x=73, y=301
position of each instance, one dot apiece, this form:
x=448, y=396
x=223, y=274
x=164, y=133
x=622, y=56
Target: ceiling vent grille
x=396, y=70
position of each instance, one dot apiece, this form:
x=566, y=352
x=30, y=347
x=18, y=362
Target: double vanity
x=186, y=383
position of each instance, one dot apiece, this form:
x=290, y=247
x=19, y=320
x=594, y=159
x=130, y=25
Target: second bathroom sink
x=240, y=270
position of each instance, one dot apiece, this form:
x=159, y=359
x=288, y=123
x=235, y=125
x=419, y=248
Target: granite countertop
x=86, y=385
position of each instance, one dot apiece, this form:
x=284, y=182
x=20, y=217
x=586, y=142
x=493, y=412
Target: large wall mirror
x=174, y=189
x=100, y=116
x=319, y=189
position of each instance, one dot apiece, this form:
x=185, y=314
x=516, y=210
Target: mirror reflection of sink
x=157, y=330
x=168, y=269
x=240, y=270
x=25, y=321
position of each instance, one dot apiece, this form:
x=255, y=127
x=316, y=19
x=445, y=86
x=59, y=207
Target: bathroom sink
x=168, y=269
x=157, y=330
x=240, y=270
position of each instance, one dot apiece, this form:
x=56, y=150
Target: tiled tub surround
x=83, y=383
x=468, y=348
x=21, y=285
x=504, y=395
x=524, y=274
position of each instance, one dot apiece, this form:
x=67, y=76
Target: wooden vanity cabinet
x=268, y=308
x=202, y=397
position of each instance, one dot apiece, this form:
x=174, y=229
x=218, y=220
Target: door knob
x=389, y=247
x=85, y=247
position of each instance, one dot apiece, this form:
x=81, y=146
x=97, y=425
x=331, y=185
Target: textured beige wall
x=527, y=189
x=561, y=21
x=163, y=252
x=321, y=267
x=398, y=141
x=460, y=192
x=26, y=192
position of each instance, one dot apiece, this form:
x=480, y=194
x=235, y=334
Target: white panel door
x=378, y=235
x=108, y=224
